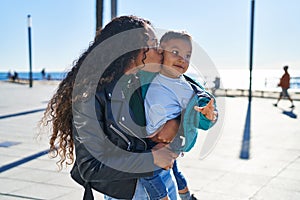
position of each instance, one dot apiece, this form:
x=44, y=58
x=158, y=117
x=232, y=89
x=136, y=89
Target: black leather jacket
x=111, y=152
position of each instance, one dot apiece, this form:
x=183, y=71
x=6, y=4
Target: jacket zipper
x=122, y=136
x=133, y=134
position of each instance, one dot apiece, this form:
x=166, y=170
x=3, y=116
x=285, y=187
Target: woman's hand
x=208, y=111
x=163, y=156
x=167, y=132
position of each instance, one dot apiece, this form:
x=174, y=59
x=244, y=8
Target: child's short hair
x=175, y=35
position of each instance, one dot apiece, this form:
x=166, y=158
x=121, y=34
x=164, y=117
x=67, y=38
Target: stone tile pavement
x=271, y=172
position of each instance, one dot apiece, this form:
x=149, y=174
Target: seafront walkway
x=260, y=93
x=271, y=172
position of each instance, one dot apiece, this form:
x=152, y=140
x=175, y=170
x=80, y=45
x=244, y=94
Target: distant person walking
x=285, y=85
x=9, y=75
x=15, y=77
x=217, y=82
x=43, y=72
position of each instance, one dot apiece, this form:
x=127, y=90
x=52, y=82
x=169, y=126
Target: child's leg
x=183, y=190
x=155, y=186
x=180, y=179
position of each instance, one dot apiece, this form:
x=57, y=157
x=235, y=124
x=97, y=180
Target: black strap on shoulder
x=198, y=89
x=193, y=83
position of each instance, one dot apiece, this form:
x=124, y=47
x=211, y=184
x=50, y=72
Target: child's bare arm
x=167, y=132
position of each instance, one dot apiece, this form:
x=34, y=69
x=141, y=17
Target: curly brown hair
x=58, y=114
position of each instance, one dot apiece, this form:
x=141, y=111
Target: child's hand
x=208, y=111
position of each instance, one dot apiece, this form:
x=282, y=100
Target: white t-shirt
x=165, y=99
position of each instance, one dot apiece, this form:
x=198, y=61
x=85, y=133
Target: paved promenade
x=272, y=171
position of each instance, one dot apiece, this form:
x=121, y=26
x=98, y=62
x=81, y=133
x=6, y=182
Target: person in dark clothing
x=95, y=128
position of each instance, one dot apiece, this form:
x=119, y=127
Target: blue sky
x=63, y=29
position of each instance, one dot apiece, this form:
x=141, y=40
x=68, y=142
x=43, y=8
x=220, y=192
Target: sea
x=35, y=75
x=262, y=79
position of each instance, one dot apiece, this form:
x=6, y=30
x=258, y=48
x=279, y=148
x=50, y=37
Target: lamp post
x=29, y=44
x=251, y=49
x=113, y=8
x=244, y=154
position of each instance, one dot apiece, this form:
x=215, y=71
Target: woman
x=89, y=112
